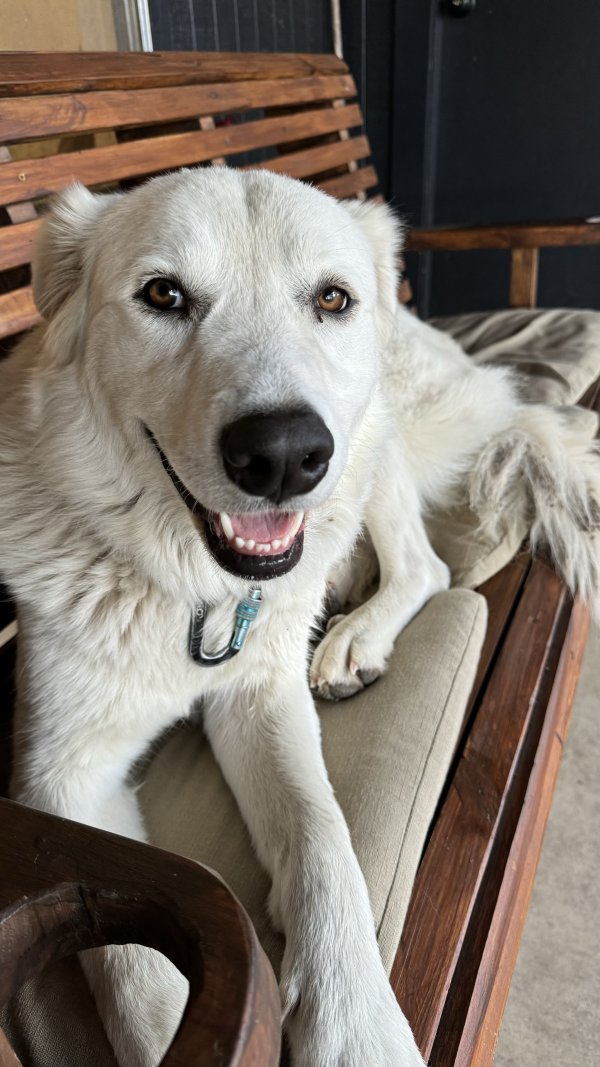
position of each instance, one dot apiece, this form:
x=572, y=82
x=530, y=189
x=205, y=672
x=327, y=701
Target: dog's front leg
x=140, y=995
x=354, y=651
x=338, y=1007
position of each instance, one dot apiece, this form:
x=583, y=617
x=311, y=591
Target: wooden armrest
x=524, y=239
x=66, y=887
x=515, y=235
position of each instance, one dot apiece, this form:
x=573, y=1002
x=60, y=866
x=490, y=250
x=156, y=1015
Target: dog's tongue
x=263, y=526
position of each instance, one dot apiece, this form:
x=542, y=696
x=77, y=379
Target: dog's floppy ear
x=62, y=245
x=385, y=233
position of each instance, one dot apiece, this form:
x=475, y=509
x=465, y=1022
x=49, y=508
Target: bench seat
x=446, y=767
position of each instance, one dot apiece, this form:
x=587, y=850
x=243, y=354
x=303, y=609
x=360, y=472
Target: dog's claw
x=367, y=676
x=336, y=690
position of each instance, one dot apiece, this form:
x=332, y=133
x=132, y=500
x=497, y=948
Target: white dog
x=223, y=391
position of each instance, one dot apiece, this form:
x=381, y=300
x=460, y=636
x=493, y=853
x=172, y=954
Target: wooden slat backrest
x=290, y=113
x=40, y=73
x=35, y=178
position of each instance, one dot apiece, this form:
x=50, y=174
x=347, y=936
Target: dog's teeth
x=227, y=527
x=297, y=524
x=259, y=547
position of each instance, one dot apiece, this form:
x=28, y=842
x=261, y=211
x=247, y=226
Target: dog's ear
x=385, y=233
x=63, y=245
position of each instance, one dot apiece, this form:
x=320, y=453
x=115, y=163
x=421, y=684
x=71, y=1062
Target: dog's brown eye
x=163, y=294
x=333, y=299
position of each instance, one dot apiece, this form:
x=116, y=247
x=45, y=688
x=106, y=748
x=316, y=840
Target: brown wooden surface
x=8, y=1057
x=476, y=816
x=39, y=73
x=67, y=887
x=23, y=212
x=17, y=311
x=518, y=235
x=322, y=157
x=501, y=593
x=30, y=179
x=524, y=268
x=16, y=244
x=348, y=185
x=481, y=1028
x=31, y=117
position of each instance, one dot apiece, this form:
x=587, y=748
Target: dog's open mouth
x=255, y=544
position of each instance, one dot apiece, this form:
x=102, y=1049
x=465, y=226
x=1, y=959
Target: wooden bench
x=111, y=120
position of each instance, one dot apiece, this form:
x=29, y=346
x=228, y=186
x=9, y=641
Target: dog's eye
x=333, y=299
x=163, y=294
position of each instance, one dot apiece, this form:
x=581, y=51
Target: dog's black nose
x=278, y=454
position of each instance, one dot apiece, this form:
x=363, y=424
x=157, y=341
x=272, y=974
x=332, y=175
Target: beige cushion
x=52, y=1022
x=557, y=357
x=387, y=751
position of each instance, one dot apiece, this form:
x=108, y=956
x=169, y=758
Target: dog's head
x=227, y=325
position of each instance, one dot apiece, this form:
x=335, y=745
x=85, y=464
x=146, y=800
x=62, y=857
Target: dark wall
x=489, y=118
x=518, y=137
x=241, y=25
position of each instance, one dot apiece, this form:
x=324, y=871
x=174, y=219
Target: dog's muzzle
x=257, y=545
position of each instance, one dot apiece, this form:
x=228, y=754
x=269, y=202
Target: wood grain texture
x=30, y=117
x=519, y=235
x=481, y=1028
x=35, y=178
x=473, y=817
x=67, y=887
x=501, y=593
x=348, y=185
x=40, y=73
x=322, y=157
x=16, y=243
x=17, y=311
x=524, y=269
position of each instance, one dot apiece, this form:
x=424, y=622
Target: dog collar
x=245, y=614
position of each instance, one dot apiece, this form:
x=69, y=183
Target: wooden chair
x=111, y=120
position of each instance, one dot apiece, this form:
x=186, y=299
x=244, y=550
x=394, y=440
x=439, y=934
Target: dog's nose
x=278, y=454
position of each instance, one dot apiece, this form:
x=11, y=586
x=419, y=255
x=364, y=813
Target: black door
x=512, y=133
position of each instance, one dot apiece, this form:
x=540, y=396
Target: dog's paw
x=360, y=1026
x=349, y=658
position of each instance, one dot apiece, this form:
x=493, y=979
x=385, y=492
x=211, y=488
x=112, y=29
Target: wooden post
x=524, y=277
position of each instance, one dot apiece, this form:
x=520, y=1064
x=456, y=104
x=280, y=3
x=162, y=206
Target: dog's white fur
x=106, y=562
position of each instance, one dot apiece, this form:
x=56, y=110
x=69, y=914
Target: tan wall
x=57, y=25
